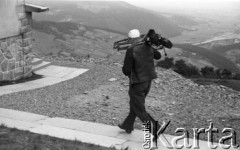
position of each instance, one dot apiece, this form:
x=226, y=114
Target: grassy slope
x=216, y=59
x=183, y=20
x=225, y=48
x=66, y=36
x=118, y=16
x=11, y=139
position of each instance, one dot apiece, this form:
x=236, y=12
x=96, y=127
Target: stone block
x=22, y=63
x=8, y=54
x=11, y=64
x=19, y=56
x=31, y=49
x=11, y=74
x=25, y=57
x=24, y=22
x=29, y=61
x=26, y=42
x=6, y=76
x=1, y=57
x=14, y=54
x=19, y=72
x=28, y=35
x=1, y=76
x=26, y=50
x=11, y=40
x=25, y=29
x=27, y=69
x=4, y=65
x=19, y=48
x=4, y=46
x=13, y=48
x=20, y=9
x=19, y=42
x=28, y=56
x=16, y=64
x=8, y=41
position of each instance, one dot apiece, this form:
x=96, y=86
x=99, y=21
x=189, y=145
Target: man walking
x=139, y=67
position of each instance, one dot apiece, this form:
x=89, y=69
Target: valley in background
x=89, y=29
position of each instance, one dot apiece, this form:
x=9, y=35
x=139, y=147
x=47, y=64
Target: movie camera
x=151, y=38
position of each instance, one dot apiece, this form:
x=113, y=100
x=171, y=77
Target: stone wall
x=15, y=51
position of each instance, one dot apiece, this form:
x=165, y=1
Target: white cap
x=134, y=33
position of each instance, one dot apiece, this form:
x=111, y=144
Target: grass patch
x=14, y=139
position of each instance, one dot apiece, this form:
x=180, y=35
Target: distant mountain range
x=112, y=15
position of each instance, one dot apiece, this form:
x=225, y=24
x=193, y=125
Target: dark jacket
x=139, y=63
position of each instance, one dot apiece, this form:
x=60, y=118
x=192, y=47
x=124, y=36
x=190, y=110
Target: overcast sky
x=189, y=4
x=155, y=4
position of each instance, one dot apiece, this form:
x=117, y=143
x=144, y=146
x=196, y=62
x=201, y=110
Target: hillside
x=114, y=15
x=225, y=48
x=231, y=52
x=72, y=39
x=213, y=57
x=89, y=28
x=183, y=20
x=68, y=38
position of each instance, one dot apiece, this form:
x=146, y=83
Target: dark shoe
x=155, y=137
x=154, y=140
x=127, y=130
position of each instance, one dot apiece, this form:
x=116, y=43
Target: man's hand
x=157, y=55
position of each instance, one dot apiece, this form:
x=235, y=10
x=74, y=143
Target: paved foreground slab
x=51, y=75
x=88, y=132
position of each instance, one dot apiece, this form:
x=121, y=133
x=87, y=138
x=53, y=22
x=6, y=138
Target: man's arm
x=157, y=55
x=128, y=62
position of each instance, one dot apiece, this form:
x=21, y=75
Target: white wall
x=9, y=22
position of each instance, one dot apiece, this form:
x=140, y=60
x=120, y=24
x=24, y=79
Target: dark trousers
x=137, y=93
